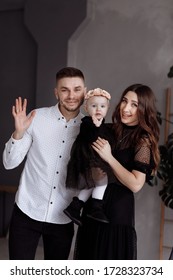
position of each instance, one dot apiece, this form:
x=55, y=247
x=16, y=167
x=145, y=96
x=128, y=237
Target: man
x=45, y=136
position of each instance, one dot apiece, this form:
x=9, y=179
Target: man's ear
x=56, y=93
x=85, y=91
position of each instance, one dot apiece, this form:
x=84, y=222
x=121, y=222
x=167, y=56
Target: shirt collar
x=60, y=117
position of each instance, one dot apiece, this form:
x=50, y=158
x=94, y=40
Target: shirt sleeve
x=16, y=150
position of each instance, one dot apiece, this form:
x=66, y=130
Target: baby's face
x=97, y=106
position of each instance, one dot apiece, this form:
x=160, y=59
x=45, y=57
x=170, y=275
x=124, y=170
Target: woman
x=133, y=160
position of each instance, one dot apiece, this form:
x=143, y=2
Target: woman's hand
x=103, y=148
x=134, y=180
x=22, y=121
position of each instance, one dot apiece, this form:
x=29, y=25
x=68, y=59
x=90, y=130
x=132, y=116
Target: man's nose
x=71, y=93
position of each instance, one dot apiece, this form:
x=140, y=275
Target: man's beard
x=72, y=109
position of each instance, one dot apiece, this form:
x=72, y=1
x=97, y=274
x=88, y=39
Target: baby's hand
x=96, y=121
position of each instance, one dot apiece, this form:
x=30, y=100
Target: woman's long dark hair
x=147, y=116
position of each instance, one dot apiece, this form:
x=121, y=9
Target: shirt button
x=12, y=142
x=66, y=126
x=51, y=202
x=54, y=188
x=63, y=141
x=57, y=172
x=60, y=156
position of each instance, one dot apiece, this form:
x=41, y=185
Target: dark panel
x=18, y=53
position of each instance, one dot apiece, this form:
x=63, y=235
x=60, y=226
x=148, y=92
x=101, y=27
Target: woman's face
x=129, y=108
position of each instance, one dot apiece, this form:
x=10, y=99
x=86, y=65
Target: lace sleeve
x=143, y=150
x=142, y=158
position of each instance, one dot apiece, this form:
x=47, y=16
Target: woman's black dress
x=116, y=240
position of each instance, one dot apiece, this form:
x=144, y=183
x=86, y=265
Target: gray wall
x=115, y=42
x=118, y=44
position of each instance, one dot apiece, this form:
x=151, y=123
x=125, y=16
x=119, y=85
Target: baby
x=84, y=159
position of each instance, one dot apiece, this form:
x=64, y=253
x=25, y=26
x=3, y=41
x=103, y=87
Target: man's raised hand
x=22, y=121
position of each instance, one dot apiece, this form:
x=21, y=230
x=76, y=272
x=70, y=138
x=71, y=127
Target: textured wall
x=118, y=44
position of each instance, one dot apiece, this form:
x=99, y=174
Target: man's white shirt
x=42, y=194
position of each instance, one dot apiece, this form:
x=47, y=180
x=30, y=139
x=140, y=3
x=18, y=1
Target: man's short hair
x=69, y=72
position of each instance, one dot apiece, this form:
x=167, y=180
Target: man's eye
x=78, y=89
